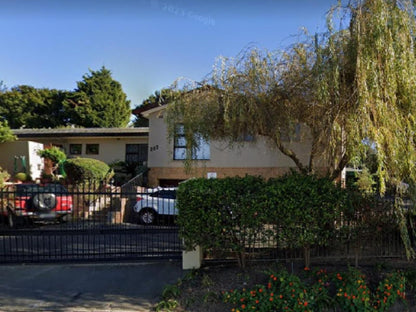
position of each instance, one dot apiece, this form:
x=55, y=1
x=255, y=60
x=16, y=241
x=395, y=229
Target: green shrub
x=80, y=170
x=235, y=213
x=55, y=154
x=315, y=292
x=221, y=214
x=4, y=176
x=21, y=176
x=304, y=208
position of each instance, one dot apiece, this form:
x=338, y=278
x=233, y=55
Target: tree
x=347, y=87
x=352, y=88
x=26, y=106
x=6, y=135
x=98, y=101
x=55, y=155
x=264, y=94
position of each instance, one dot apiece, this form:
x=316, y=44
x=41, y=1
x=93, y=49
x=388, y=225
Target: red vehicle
x=36, y=202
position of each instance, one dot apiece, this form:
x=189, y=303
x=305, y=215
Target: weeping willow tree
x=270, y=94
x=351, y=87
x=383, y=36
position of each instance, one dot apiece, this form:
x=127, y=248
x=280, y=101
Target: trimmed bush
x=222, y=214
x=304, y=208
x=21, y=176
x=236, y=213
x=81, y=170
x=55, y=154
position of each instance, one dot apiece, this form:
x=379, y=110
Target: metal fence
x=100, y=225
x=371, y=232
x=109, y=223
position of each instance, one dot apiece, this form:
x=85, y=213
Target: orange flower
x=305, y=304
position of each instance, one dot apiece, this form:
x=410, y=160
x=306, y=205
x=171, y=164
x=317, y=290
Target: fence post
x=192, y=259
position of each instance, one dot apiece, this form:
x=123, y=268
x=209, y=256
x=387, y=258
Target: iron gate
x=100, y=226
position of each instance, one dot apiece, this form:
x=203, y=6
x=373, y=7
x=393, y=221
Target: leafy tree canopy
x=6, y=134
x=352, y=88
x=26, y=106
x=347, y=86
x=98, y=101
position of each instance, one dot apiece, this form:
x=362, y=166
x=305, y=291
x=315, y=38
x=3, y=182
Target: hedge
x=234, y=213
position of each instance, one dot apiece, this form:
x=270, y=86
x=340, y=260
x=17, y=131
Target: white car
x=157, y=202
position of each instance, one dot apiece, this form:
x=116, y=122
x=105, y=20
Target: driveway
x=90, y=287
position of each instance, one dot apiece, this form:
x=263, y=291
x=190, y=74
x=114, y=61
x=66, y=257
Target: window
x=136, y=153
x=169, y=194
x=92, y=149
x=75, y=149
x=180, y=150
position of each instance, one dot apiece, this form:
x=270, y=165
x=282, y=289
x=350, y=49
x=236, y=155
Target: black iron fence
x=88, y=222
x=100, y=222
x=371, y=232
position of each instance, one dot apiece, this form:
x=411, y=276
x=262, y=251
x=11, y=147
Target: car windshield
x=32, y=189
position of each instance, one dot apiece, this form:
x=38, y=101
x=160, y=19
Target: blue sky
x=146, y=44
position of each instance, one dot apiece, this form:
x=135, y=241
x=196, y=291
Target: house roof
x=81, y=132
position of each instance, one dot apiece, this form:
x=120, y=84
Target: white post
x=192, y=259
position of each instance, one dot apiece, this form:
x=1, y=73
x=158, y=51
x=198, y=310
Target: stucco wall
x=110, y=149
x=259, y=154
x=9, y=150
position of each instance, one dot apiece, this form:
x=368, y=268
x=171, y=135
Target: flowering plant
x=288, y=292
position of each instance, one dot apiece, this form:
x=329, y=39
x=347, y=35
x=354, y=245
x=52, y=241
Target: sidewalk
x=110, y=287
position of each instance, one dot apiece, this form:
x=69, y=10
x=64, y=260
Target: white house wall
x=258, y=154
x=36, y=163
x=28, y=149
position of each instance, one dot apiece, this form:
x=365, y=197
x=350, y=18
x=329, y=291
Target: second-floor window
x=180, y=149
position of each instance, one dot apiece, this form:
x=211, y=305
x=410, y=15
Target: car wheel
x=147, y=216
x=44, y=201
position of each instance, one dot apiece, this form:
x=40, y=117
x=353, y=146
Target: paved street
x=93, y=287
x=83, y=241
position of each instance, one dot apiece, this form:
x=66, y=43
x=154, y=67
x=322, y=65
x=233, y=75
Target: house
x=164, y=157
x=109, y=145
x=254, y=156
